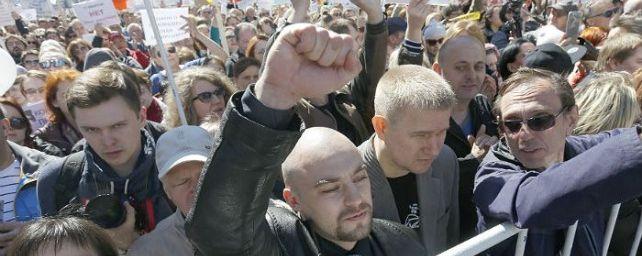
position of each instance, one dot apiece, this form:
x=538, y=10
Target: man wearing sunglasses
x=600, y=12
x=540, y=178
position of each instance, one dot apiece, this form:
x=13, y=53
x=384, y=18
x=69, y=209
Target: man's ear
x=437, y=68
x=380, y=125
x=572, y=116
x=291, y=199
x=142, y=116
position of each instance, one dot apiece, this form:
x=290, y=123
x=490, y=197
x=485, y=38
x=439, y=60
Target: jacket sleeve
x=22, y=27
x=453, y=220
x=408, y=57
x=603, y=175
x=228, y=216
x=373, y=58
x=47, y=178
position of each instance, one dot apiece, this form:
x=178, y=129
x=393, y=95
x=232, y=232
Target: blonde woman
x=607, y=102
x=203, y=92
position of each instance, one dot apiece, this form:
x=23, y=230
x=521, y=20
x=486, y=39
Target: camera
x=108, y=211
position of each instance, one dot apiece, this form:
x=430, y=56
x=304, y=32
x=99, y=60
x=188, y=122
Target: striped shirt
x=9, y=180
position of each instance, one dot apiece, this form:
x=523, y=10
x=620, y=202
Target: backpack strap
x=66, y=187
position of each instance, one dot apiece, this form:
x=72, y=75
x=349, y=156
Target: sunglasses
x=432, y=42
x=30, y=62
x=32, y=91
x=537, y=123
x=206, y=97
x=18, y=123
x=608, y=14
x=53, y=63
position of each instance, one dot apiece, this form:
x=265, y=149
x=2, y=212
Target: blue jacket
x=26, y=205
x=598, y=171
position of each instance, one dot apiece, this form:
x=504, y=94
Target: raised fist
x=306, y=61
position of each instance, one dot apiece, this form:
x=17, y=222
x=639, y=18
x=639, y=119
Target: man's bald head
x=457, y=43
x=318, y=148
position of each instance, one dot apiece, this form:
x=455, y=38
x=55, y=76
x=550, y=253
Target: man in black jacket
x=326, y=182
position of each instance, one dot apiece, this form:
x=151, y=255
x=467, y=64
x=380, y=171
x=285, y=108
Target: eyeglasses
x=53, y=63
x=608, y=14
x=32, y=42
x=537, y=123
x=170, y=49
x=206, y=97
x=32, y=91
x=30, y=62
x=18, y=123
x=432, y=42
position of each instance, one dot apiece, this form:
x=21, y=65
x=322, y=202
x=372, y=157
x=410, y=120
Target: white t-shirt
x=9, y=179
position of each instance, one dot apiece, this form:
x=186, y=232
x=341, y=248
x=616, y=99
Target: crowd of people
x=366, y=129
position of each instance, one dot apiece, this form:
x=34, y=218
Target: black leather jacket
x=231, y=214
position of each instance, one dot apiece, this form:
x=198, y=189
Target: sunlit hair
x=411, y=87
x=618, y=49
x=607, y=102
x=185, y=81
x=51, y=89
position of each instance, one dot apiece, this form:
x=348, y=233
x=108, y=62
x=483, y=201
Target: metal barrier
x=507, y=230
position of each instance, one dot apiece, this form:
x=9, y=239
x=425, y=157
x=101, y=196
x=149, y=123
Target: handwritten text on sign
x=169, y=23
x=93, y=12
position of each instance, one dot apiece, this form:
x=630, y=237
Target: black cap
x=550, y=57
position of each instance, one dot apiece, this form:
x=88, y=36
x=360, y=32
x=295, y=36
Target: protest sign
x=37, y=114
x=5, y=14
x=29, y=14
x=169, y=23
x=439, y=2
x=280, y=2
x=93, y=12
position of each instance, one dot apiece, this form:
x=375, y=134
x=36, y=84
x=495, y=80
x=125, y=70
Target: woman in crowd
x=32, y=85
x=493, y=25
x=203, y=92
x=246, y=72
x=59, y=134
x=30, y=60
x=15, y=91
x=622, y=111
x=609, y=102
x=77, y=50
x=266, y=26
x=16, y=125
x=512, y=57
x=256, y=47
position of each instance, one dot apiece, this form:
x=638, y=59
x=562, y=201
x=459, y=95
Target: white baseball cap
x=182, y=144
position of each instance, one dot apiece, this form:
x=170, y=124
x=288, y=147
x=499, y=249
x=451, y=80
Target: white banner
x=29, y=14
x=5, y=14
x=93, y=12
x=169, y=24
x=345, y=3
x=37, y=114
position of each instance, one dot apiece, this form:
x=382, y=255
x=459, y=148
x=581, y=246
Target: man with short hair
x=180, y=155
x=15, y=45
x=538, y=177
x=414, y=178
x=243, y=32
x=559, y=14
x=327, y=185
x=118, y=155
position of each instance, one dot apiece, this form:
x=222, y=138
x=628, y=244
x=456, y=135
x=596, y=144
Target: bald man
x=327, y=186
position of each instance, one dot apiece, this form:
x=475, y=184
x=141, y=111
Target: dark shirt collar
x=327, y=248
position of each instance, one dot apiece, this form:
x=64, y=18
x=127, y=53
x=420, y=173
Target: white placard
x=96, y=11
x=264, y=4
x=5, y=15
x=280, y=2
x=29, y=14
x=36, y=113
x=439, y=2
x=397, y=1
x=169, y=24
x=346, y=4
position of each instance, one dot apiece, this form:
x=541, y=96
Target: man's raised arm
x=258, y=132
